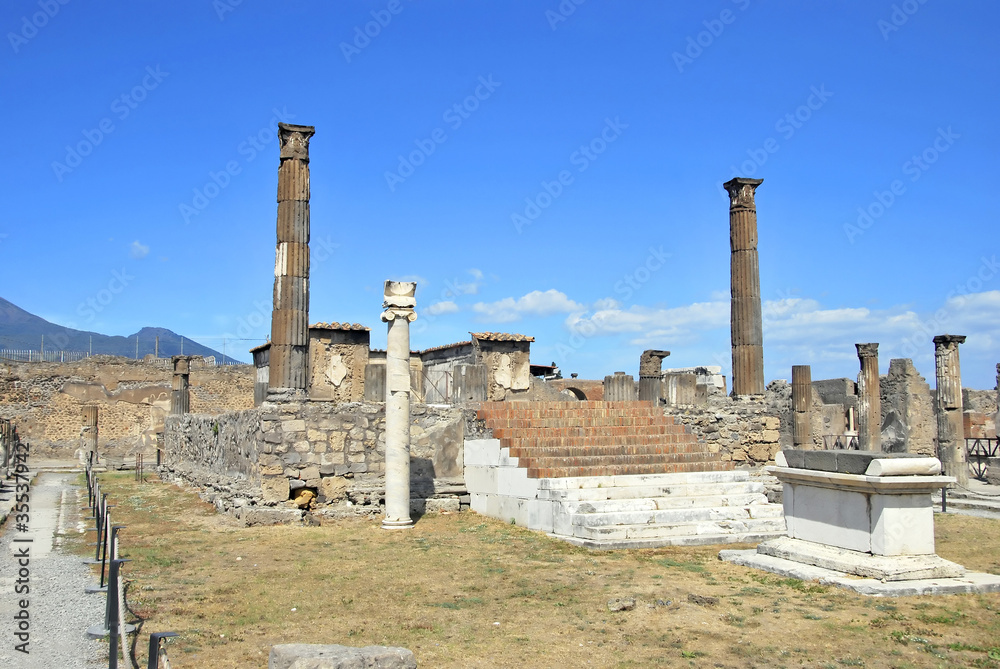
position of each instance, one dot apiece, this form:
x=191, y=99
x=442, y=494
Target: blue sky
x=540, y=167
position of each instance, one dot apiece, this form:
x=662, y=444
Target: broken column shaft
x=651, y=375
x=399, y=313
x=869, y=399
x=948, y=408
x=89, y=432
x=180, y=394
x=802, y=406
x=745, y=315
x=290, y=317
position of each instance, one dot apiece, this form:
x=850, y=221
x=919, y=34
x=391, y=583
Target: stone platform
x=969, y=582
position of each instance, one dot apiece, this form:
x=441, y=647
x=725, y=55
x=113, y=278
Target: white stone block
x=482, y=452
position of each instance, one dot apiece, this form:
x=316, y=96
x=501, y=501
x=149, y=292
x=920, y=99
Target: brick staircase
x=611, y=475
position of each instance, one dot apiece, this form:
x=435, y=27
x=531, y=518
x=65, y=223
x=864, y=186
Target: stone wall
x=746, y=431
x=266, y=458
x=133, y=396
x=908, y=422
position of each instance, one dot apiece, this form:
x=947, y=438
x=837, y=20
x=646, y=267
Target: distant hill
x=22, y=330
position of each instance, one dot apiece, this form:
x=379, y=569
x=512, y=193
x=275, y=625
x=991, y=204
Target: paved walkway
x=35, y=570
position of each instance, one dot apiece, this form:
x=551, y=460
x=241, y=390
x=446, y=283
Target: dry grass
x=462, y=590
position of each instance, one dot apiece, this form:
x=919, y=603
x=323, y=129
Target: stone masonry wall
x=271, y=454
x=46, y=399
x=745, y=431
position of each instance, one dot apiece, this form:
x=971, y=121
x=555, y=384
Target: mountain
x=21, y=330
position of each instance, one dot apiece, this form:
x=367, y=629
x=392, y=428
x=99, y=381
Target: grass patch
x=461, y=590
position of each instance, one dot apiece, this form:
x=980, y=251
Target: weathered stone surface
x=314, y=656
x=254, y=516
x=274, y=488
x=621, y=604
x=746, y=318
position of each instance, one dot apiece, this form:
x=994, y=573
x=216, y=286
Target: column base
x=388, y=524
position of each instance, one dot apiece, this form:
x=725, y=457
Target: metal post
x=154, y=648
x=112, y=614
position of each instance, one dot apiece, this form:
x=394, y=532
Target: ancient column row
x=745, y=317
x=290, y=317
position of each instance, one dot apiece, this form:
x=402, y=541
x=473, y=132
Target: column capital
x=947, y=340
x=867, y=350
x=390, y=315
x=182, y=363
x=293, y=140
x=741, y=192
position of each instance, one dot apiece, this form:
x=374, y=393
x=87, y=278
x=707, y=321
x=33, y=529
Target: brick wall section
x=590, y=438
x=47, y=398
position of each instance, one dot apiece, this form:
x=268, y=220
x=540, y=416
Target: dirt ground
x=461, y=590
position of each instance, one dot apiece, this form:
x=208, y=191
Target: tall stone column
x=290, y=318
x=180, y=395
x=89, y=432
x=869, y=399
x=948, y=408
x=399, y=313
x=802, y=406
x=745, y=315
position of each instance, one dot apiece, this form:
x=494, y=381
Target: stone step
x=625, y=481
x=619, y=505
x=701, y=539
x=680, y=516
x=532, y=462
x=582, y=419
x=665, y=531
x=675, y=491
x=522, y=449
x=589, y=431
x=969, y=505
x=619, y=470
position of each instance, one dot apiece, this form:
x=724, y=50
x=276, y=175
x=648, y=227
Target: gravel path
x=59, y=611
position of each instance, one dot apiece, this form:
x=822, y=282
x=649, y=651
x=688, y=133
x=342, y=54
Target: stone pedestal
x=745, y=319
x=948, y=408
x=619, y=387
x=399, y=313
x=290, y=317
x=869, y=399
x=877, y=524
x=802, y=406
x=180, y=394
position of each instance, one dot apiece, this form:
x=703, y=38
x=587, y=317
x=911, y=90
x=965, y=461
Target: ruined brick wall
x=337, y=451
x=46, y=399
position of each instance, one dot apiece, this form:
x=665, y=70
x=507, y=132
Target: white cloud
x=535, y=303
x=477, y=274
x=138, y=250
x=439, y=308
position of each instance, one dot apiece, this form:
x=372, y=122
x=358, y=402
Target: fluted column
x=802, y=406
x=399, y=313
x=180, y=395
x=745, y=316
x=89, y=432
x=651, y=375
x=948, y=408
x=290, y=317
x=869, y=399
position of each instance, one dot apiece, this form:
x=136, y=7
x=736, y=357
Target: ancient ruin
x=948, y=405
x=399, y=313
x=746, y=320
x=869, y=403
